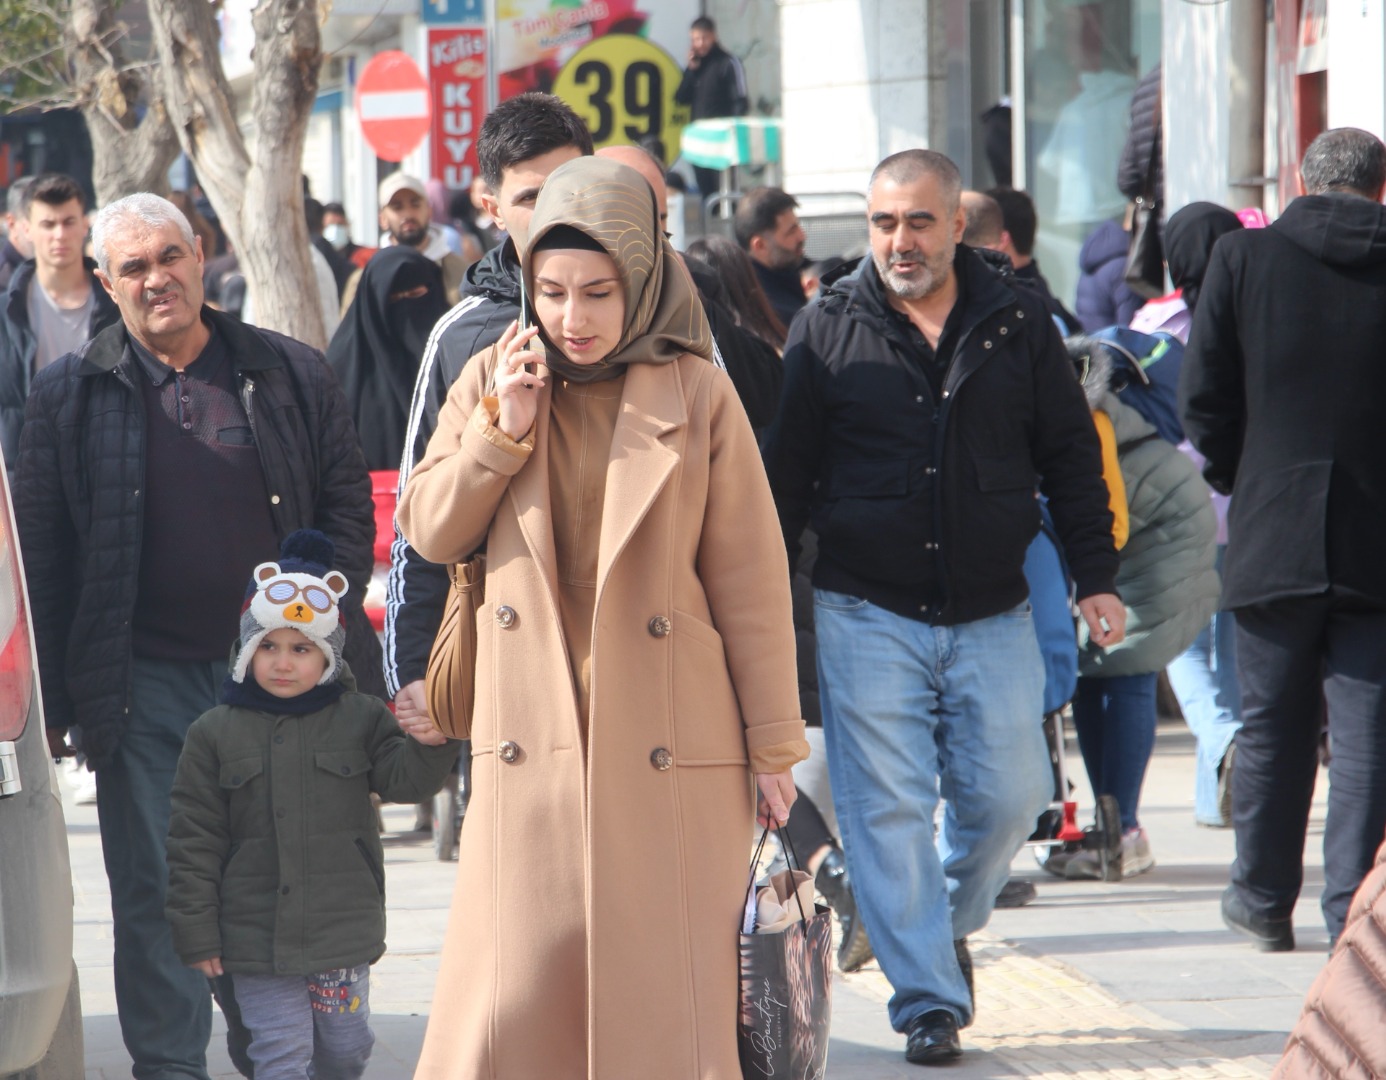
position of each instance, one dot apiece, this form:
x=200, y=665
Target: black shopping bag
x=785, y=1007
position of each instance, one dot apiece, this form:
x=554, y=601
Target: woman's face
x=579, y=302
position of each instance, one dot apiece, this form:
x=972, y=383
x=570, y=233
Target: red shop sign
x=457, y=82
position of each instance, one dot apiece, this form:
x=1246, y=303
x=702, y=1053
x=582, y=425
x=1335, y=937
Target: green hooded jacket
x=275, y=861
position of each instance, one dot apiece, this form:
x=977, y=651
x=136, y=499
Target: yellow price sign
x=623, y=86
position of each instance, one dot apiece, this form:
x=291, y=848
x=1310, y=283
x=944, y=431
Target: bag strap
x=791, y=857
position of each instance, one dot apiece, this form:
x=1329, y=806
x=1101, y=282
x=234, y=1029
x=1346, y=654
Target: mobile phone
x=524, y=323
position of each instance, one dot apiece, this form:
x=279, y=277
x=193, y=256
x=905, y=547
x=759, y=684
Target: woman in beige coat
x=635, y=664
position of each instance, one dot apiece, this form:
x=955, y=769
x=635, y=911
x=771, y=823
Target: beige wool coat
x=593, y=931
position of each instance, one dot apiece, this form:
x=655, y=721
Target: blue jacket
x=1103, y=298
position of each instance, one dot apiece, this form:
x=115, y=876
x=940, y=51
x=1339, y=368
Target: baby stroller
x=1057, y=827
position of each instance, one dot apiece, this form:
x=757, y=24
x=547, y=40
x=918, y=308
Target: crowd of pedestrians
x=722, y=494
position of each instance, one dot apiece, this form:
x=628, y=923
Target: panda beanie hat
x=299, y=592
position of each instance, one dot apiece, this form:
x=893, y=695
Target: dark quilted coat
x=80, y=515
x=1341, y=1034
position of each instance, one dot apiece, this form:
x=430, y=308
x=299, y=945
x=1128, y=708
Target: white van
x=40, y=1007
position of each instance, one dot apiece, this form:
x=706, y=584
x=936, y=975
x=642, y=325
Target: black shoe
x=932, y=1039
x=964, y=955
x=854, y=950
x=1269, y=935
x=1015, y=893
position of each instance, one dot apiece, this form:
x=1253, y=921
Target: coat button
x=930, y=470
x=662, y=760
x=986, y=344
x=931, y=547
x=346, y=770
x=1020, y=314
x=508, y=752
x=1004, y=331
x=274, y=500
x=284, y=891
x=660, y=626
x=505, y=616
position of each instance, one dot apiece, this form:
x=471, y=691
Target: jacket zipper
x=124, y=377
x=942, y=410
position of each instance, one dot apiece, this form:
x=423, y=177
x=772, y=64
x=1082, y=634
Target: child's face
x=287, y=663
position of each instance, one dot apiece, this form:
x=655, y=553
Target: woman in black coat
x=377, y=348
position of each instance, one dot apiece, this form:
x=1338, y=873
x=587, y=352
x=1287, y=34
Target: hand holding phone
x=518, y=381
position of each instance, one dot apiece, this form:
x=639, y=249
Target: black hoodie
x=1281, y=390
x=417, y=588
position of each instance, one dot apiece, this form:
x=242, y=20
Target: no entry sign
x=392, y=105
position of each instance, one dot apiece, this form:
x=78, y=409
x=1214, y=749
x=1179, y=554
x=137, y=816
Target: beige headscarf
x=613, y=204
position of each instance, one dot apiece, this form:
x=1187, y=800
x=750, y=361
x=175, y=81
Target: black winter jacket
x=80, y=514
x=1281, y=391
x=925, y=507
x=1144, y=140
x=18, y=346
x=715, y=88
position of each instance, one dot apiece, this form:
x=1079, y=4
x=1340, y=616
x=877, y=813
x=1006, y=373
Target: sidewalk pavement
x=1136, y=980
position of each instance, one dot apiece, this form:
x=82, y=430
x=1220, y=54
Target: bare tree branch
x=129, y=153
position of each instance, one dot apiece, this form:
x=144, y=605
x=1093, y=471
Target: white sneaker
x=1136, y=857
x=84, y=788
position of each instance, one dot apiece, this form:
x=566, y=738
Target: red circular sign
x=392, y=105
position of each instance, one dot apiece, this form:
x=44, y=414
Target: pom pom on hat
x=298, y=592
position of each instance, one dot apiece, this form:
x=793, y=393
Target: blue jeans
x=308, y=1025
x=1115, y=718
x=1204, y=679
x=165, y=1008
x=912, y=712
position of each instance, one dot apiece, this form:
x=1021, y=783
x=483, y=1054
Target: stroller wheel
x=1106, y=835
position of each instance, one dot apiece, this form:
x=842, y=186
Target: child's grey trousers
x=305, y=1026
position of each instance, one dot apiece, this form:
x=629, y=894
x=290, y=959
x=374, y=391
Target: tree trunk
x=288, y=57
x=259, y=201
x=128, y=153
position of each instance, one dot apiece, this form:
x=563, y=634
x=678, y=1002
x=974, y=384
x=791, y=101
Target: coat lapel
x=642, y=456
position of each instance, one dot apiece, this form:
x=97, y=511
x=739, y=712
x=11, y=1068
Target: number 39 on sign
x=623, y=86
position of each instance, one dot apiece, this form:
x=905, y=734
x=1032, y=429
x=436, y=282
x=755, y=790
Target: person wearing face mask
x=337, y=230
x=637, y=661
x=376, y=350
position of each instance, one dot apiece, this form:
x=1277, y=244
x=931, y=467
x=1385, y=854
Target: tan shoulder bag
x=450, y=681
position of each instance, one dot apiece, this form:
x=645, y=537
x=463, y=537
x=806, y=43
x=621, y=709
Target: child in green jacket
x=276, y=871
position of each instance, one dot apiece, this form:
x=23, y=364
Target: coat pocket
x=1277, y=534
x=235, y=774
x=708, y=729
x=377, y=872
x=344, y=763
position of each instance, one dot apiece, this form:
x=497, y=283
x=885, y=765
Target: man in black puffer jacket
x=923, y=400
x=158, y=465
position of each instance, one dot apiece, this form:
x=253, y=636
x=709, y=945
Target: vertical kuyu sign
x=457, y=82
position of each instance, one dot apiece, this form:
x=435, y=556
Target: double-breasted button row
x=661, y=759
x=508, y=752
x=506, y=617
x=660, y=626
